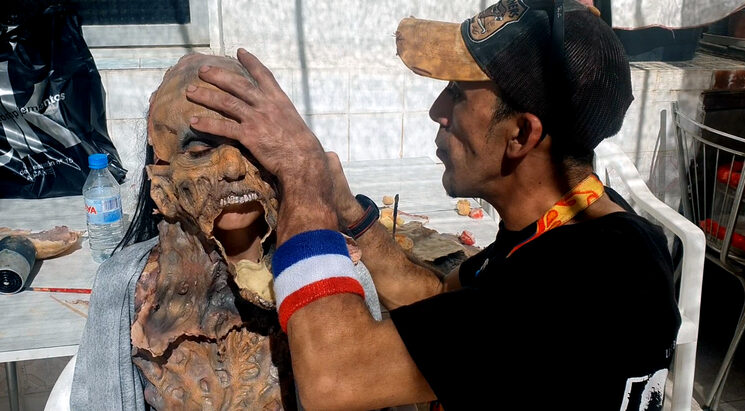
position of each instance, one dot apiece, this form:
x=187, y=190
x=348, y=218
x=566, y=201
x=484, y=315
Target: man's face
x=469, y=143
x=198, y=176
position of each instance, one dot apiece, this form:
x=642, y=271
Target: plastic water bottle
x=103, y=205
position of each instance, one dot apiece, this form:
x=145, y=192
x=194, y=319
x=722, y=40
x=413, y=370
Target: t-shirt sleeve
x=448, y=341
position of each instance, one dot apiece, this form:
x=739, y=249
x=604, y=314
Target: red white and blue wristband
x=310, y=266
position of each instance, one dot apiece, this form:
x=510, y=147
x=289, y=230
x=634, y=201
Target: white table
x=36, y=326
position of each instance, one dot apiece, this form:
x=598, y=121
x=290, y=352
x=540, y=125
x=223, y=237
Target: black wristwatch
x=356, y=229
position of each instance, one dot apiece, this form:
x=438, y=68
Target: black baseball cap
x=556, y=59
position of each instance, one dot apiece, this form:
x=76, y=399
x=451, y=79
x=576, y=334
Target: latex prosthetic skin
x=205, y=334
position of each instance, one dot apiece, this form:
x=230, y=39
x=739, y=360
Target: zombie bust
x=205, y=334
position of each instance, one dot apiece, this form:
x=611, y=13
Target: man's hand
x=348, y=210
x=262, y=118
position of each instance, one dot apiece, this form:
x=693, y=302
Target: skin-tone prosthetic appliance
x=205, y=333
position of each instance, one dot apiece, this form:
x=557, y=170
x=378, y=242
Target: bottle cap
x=98, y=161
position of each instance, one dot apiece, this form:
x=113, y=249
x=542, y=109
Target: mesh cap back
x=591, y=103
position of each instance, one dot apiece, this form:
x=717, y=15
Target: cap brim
x=436, y=49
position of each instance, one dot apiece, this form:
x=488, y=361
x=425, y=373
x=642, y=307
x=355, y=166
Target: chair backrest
x=610, y=157
x=711, y=162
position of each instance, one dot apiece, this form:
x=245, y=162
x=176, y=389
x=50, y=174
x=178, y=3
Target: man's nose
x=441, y=109
x=231, y=160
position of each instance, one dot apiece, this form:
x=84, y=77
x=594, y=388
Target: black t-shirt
x=583, y=317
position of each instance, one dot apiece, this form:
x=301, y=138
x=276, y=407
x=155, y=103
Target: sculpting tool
x=70, y=307
x=395, y=215
x=61, y=290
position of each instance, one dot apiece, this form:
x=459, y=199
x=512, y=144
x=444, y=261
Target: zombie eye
x=198, y=148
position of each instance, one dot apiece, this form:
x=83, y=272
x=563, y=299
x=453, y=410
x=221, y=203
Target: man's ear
x=527, y=136
x=162, y=190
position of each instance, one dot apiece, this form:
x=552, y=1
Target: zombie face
x=203, y=178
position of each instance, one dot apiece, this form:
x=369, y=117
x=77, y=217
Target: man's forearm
x=398, y=280
x=343, y=359
x=305, y=204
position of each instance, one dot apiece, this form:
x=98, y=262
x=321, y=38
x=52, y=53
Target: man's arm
x=342, y=358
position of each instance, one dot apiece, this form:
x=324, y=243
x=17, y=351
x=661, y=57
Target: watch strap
x=370, y=216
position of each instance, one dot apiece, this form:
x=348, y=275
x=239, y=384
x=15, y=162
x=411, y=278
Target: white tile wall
x=690, y=101
x=260, y=26
x=321, y=91
x=374, y=136
x=333, y=132
x=285, y=78
x=663, y=180
x=421, y=92
x=128, y=92
x=316, y=33
x=376, y=91
x=130, y=138
x=419, y=136
x=641, y=79
x=641, y=126
x=455, y=11
x=355, y=34
x=141, y=58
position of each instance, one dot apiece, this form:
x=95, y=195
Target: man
x=571, y=305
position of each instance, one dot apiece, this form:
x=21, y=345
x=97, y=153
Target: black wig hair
x=144, y=224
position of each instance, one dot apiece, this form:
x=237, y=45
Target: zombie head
x=205, y=179
x=197, y=344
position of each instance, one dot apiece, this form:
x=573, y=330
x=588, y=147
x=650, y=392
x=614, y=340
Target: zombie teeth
x=232, y=199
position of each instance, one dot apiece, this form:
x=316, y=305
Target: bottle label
x=103, y=211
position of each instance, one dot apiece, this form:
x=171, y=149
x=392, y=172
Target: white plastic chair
x=59, y=397
x=610, y=157
x=708, y=158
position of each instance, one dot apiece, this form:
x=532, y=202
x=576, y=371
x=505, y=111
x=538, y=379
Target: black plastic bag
x=52, y=109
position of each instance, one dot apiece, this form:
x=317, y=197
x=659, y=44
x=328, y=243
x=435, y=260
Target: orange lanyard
x=574, y=202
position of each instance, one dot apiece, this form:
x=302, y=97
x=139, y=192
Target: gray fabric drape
x=105, y=378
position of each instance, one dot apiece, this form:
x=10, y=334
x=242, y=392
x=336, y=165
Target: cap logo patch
x=494, y=18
